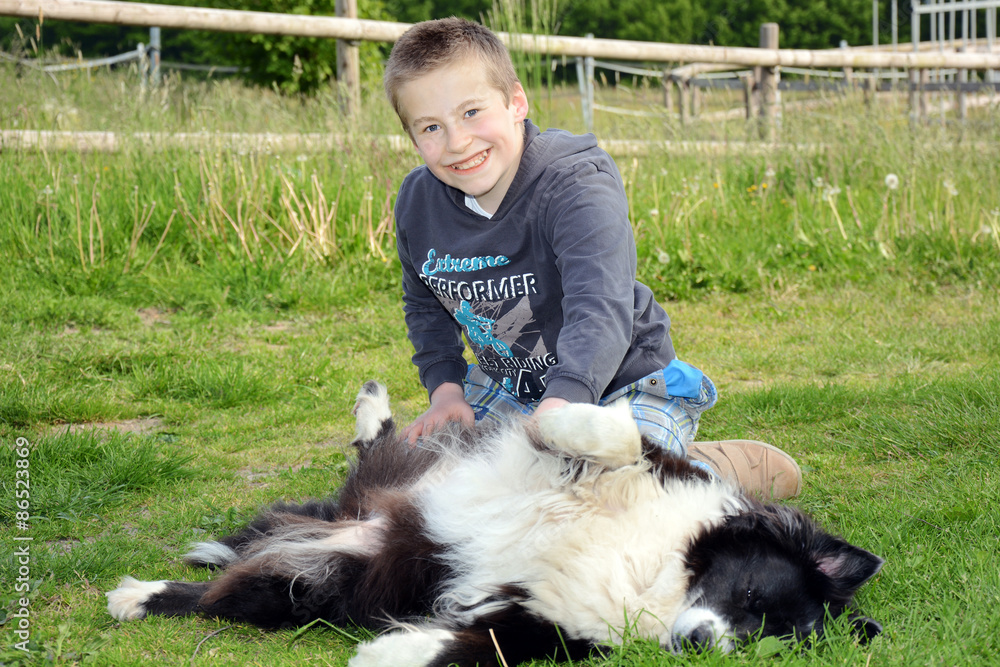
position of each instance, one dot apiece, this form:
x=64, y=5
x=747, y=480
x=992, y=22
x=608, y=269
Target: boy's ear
x=519, y=102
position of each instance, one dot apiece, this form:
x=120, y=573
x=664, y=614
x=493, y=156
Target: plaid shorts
x=669, y=421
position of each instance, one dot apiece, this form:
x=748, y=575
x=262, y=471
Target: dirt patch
x=64, y=546
x=139, y=426
x=258, y=477
x=281, y=326
x=152, y=317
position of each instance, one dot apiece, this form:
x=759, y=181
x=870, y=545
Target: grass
x=184, y=332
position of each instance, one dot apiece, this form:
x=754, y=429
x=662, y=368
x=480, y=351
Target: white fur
x=696, y=617
x=595, y=549
x=371, y=409
x=213, y=553
x=303, y=554
x=411, y=647
x=606, y=435
x=126, y=602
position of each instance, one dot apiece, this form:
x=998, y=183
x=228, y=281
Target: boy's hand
x=447, y=405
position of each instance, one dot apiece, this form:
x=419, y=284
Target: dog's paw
x=411, y=647
x=371, y=410
x=128, y=601
x=607, y=435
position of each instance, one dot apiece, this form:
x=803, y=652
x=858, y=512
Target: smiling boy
x=521, y=239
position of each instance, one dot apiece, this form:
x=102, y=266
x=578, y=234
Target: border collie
x=544, y=538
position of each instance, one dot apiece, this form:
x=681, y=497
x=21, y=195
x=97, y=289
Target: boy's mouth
x=474, y=161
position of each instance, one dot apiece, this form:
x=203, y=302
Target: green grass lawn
x=183, y=334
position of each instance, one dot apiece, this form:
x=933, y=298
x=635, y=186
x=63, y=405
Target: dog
x=549, y=537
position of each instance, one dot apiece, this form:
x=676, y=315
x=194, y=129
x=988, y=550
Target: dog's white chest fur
x=589, y=542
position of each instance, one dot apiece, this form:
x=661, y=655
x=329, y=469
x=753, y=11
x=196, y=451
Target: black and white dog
x=546, y=538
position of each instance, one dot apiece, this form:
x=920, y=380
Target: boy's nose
x=458, y=140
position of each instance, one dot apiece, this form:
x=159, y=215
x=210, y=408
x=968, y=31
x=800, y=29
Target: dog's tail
x=211, y=554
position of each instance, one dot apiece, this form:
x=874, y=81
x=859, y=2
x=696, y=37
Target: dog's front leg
x=607, y=435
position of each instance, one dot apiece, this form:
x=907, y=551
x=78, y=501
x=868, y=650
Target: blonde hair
x=430, y=45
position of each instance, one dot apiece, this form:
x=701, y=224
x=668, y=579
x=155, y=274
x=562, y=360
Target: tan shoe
x=761, y=469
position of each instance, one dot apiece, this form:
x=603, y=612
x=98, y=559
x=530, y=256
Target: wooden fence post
x=683, y=89
x=960, y=102
x=768, y=85
x=586, y=93
x=870, y=90
x=925, y=95
x=153, y=52
x=914, y=79
x=748, y=96
x=348, y=63
x=848, y=71
x=588, y=67
x=668, y=91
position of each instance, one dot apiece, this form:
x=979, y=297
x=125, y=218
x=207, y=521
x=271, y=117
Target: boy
x=522, y=240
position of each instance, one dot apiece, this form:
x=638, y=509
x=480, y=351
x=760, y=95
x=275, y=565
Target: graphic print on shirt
x=480, y=330
x=492, y=302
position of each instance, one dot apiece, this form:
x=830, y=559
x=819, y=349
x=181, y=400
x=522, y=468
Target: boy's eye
x=471, y=112
x=431, y=128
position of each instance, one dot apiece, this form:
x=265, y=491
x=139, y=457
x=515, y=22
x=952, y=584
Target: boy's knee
x=668, y=438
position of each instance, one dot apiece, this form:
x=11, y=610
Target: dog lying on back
x=545, y=538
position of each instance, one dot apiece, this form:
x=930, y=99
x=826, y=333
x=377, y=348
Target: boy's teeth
x=474, y=162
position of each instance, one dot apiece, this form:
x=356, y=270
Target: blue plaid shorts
x=669, y=420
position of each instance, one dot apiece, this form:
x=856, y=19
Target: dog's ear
x=847, y=566
x=864, y=628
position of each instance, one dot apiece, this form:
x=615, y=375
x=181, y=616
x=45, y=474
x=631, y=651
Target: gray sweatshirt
x=545, y=290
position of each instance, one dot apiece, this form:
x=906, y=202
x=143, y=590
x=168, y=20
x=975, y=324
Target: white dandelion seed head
x=949, y=187
x=891, y=181
x=819, y=182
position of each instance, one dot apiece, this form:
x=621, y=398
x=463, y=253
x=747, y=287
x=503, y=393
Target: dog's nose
x=698, y=639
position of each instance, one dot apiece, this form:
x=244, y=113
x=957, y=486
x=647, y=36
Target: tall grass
x=813, y=214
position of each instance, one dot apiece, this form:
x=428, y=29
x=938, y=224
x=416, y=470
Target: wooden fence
x=768, y=59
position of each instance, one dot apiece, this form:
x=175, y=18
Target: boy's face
x=463, y=130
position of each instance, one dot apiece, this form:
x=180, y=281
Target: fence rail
x=761, y=87
x=226, y=20
x=111, y=142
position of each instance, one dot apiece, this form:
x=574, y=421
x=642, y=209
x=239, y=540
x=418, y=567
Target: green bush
x=298, y=64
